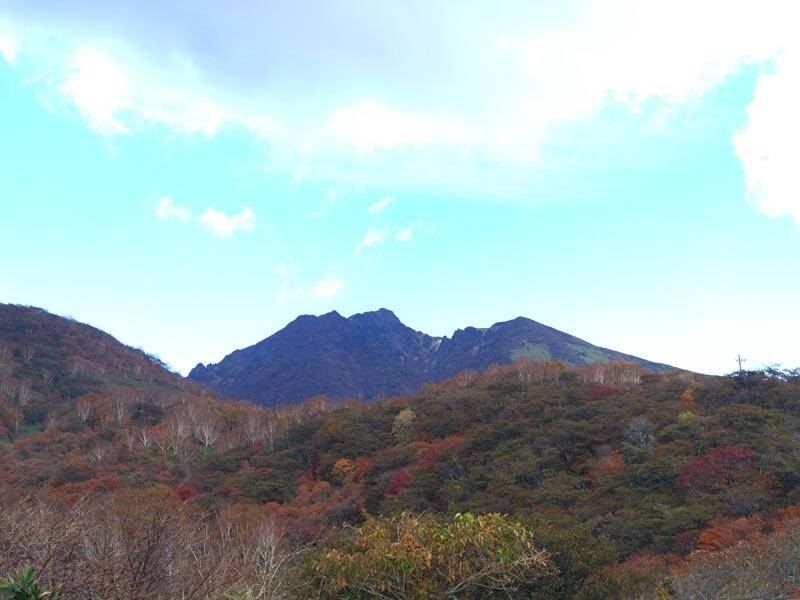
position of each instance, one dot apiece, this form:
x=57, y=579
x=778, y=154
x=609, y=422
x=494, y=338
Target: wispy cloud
x=9, y=48
x=375, y=236
x=167, y=209
x=372, y=238
x=328, y=287
x=380, y=205
x=112, y=98
x=223, y=225
x=404, y=234
x=287, y=272
x=216, y=221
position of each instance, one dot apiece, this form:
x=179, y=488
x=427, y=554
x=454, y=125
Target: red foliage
x=186, y=492
x=440, y=448
x=725, y=465
x=397, y=401
x=399, y=481
x=602, y=391
x=318, y=503
x=223, y=490
x=73, y=492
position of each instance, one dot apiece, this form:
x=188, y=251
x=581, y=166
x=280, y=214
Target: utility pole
x=740, y=360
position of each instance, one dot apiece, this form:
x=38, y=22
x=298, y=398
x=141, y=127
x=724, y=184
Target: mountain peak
x=382, y=315
x=373, y=354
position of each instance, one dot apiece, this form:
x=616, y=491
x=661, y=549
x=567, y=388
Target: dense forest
x=119, y=479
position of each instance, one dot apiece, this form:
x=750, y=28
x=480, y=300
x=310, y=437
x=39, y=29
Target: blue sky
x=190, y=177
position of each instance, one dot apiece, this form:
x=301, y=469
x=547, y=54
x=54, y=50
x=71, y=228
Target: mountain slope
x=374, y=354
x=367, y=355
x=47, y=361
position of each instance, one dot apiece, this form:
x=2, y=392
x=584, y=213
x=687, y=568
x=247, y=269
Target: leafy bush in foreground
x=410, y=557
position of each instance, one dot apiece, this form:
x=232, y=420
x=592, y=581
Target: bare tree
x=51, y=421
x=172, y=436
x=254, y=424
x=137, y=544
x=145, y=436
x=84, y=407
x=207, y=427
x=639, y=431
x=465, y=378
x=131, y=438
x=17, y=421
x=24, y=393
x=99, y=451
x=28, y=352
x=76, y=366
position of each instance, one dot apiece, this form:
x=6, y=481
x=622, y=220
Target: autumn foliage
x=670, y=473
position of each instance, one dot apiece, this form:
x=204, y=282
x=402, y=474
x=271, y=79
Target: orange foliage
x=343, y=471
x=687, y=400
x=729, y=532
x=606, y=467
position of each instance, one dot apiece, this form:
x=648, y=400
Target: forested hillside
x=52, y=367
x=117, y=475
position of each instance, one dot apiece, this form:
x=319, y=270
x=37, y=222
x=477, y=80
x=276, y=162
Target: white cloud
x=372, y=238
x=768, y=146
x=476, y=114
x=328, y=287
x=187, y=114
x=216, y=221
x=168, y=209
x=9, y=48
x=224, y=226
x=626, y=51
x=369, y=125
x=113, y=98
x=404, y=234
x=100, y=89
x=380, y=205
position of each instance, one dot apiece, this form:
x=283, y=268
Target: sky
x=191, y=176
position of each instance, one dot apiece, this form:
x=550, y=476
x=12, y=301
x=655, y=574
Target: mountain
x=374, y=354
x=47, y=361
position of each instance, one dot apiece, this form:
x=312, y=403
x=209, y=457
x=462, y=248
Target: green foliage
x=595, y=472
x=575, y=553
x=25, y=586
x=418, y=557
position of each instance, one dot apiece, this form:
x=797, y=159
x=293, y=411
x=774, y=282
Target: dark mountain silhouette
x=373, y=354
